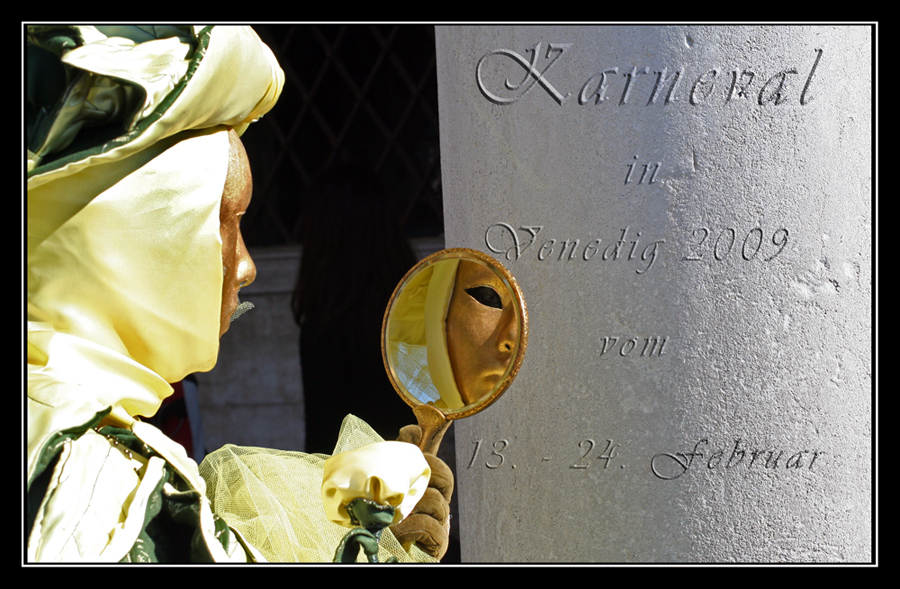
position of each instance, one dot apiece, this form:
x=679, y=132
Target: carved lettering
x=495, y=459
x=532, y=73
x=703, y=456
x=755, y=234
x=501, y=238
x=698, y=247
x=772, y=460
x=565, y=244
x=612, y=250
x=672, y=465
x=739, y=86
x=648, y=346
x=770, y=89
x=590, y=249
x=651, y=177
x=707, y=244
x=703, y=87
x=506, y=229
x=544, y=248
x=630, y=76
x=660, y=76
x=599, y=93
x=608, y=343
x=584, y=461
x=804, y=100
x=728, y=234
x=608, y=453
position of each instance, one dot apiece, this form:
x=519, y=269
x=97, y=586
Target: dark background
x=353, y=93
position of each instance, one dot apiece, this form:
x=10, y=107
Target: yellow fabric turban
x=127, y=156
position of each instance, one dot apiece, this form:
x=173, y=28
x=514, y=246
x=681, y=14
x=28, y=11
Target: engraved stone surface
x=688, y=210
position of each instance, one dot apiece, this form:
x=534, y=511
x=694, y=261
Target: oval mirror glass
x=455, y=332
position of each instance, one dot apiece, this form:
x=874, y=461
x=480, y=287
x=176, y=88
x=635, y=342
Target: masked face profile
x=454, y=332
x=237, y=266
x=482, y=330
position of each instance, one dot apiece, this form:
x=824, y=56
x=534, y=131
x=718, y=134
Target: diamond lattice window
x=353, y=93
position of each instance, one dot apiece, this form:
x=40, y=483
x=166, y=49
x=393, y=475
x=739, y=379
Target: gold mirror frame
x=517, y=355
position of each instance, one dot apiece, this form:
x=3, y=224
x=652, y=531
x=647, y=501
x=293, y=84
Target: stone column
x=688, y=211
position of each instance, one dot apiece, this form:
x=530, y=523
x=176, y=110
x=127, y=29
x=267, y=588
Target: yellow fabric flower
x=388, y=473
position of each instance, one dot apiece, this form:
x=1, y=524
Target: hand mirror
x=453, y=337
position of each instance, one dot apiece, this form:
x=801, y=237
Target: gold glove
x=429, y=523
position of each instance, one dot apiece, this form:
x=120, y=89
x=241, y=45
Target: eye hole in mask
x=486, y=295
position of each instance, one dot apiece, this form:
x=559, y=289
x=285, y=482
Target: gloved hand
x=429, y=523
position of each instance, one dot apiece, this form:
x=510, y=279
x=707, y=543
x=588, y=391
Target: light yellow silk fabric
x=124, y=274
x=273, y=498
x=237, y=81
x=440, y=291
x=417, y=335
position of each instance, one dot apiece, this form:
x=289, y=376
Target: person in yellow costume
x=136, y=183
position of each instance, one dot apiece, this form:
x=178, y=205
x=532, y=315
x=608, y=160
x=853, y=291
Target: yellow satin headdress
x=127, y=157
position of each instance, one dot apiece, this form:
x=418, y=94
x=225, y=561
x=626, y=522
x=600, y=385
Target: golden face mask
x=238, y=269
x=455, y=332
x=482, y=330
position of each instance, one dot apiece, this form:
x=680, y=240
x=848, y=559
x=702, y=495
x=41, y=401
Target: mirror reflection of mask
x=417, y=336
x=454, y=333
x=482, y=330
x=437, y=304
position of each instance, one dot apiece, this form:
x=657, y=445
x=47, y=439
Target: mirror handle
x=434, y=425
